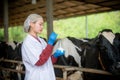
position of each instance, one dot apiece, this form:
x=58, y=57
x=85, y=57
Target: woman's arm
x=54, y=60
x=46, y=53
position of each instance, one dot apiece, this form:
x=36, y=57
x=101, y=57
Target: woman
x=36, y=53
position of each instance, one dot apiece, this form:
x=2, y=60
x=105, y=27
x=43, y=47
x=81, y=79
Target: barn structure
x=14, y=12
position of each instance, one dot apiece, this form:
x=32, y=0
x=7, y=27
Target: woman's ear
x=32, y=24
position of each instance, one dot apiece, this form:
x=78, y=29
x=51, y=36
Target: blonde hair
x=30, y=18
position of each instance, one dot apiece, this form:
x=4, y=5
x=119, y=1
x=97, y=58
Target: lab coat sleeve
x=54, y=60
x=46, y=53
x=30, y=53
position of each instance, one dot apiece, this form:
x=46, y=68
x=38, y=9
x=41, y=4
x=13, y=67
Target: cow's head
x=109, y=46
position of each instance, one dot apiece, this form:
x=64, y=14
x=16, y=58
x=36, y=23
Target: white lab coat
x=31, y=50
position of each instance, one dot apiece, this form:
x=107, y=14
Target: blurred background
x=74, y=27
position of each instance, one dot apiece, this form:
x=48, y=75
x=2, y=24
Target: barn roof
x=18, y=10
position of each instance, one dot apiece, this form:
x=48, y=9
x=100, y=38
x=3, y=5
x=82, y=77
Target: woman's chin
x=40, y=32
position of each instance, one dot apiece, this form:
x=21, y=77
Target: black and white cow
x=10, y=51
x=109, y=46
x=97, y=53
x=71, y=58
x=102, y=53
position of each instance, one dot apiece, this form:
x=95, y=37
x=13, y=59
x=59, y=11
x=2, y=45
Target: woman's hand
x=52, y=38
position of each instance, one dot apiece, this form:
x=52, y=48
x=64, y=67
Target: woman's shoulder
x=27, y=39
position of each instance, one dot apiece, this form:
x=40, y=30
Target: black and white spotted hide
x=110, y=51
x=11, y=51
x=71, y=57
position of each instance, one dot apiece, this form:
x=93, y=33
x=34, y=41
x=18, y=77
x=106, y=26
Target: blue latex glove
x=52, y=38
x=59, y=52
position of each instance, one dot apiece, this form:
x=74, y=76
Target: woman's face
x=37, y=27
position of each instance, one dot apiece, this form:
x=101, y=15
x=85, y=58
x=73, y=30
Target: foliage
x=74, y=27
x=1, y=35
x=16, y=33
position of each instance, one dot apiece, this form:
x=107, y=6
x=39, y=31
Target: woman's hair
x=31, y=18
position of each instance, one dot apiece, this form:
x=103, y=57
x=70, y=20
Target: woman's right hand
x=52, y=38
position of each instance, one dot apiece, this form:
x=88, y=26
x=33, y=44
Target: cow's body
x=10, y=51
x=71, y=57
x=97, y=53
x=110, y=52
x=102, y=53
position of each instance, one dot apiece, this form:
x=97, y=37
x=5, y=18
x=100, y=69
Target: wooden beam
x=49, y=14
x=6, y=20
x=27, y=7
